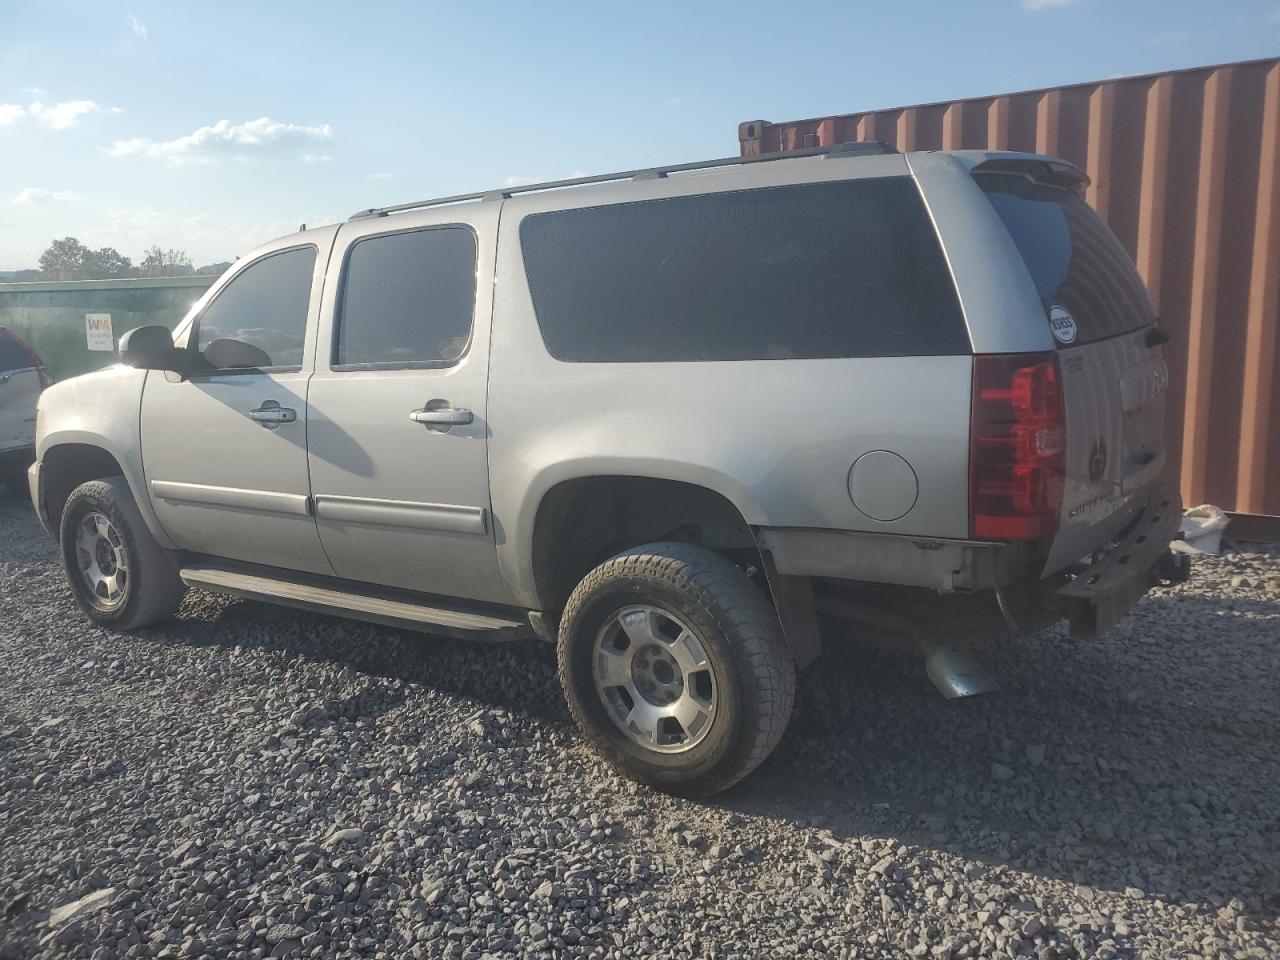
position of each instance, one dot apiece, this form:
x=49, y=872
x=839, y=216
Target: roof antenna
x=303, y=228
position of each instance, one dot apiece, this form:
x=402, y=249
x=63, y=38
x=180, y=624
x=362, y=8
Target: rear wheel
x=675, y=668
x=119, y=575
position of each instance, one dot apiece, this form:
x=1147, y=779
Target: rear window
x=13, y=354
x=846, y=269
x=1074, y=259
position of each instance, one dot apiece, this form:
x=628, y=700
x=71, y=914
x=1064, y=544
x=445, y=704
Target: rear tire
x=675, y=668
x=119, y=575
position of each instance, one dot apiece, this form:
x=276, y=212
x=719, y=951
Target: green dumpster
x=76, y=325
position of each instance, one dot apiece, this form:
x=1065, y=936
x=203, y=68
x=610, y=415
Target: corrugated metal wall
x=1185, y=167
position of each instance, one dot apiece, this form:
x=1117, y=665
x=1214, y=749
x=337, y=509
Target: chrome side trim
x=448, y=517
x=346, y=600
x=266, y=501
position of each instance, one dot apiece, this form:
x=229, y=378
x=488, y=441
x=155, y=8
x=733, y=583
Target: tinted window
x=1074, y=259
x=848, y=269
x=408, y=298
x=259, y=319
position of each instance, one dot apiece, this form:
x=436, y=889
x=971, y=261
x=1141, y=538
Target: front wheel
x=119, y=575
x=675, y=668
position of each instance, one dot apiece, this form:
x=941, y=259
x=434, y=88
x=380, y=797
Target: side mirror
x=148, y=348
x=228, y=354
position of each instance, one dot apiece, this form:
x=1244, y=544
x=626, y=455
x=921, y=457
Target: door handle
x=271, y=414
x=442, y=416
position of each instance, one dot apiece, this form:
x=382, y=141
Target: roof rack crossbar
x=648, y=173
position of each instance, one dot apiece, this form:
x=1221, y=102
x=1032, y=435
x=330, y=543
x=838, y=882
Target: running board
x=467, y=624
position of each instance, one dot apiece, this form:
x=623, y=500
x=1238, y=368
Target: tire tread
x=158, y=587
x=724, y=593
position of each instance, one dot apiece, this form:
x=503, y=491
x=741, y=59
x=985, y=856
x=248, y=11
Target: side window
x=845, y=269
x=259, y=319
x=407, y=299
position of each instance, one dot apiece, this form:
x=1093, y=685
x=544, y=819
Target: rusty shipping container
x=1185, y=167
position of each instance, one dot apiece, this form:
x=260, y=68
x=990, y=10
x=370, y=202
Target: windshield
x=1074, y=259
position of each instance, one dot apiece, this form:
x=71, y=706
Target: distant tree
x=65, y=259
x=107, y=264
x=164, y=263
x=214, y=269
x=18, y=276
x=69, y=259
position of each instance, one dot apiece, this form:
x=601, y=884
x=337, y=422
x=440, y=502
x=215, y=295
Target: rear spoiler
x=1053, y=173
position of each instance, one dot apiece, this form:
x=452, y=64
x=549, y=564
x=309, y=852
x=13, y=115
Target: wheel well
x=585, y=521
x=68, y=465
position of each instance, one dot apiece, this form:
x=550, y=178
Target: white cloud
x=378, y=176
x=225, y=139
x=1043, y=4
x=136, y=27
x=316, y=158
x=41, y=195
x=35, y=91
x=56, y=116
x=61, y=116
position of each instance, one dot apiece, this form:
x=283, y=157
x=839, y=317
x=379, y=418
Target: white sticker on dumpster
x=97, y=331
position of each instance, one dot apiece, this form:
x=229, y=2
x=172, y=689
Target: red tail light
x=1017, y=447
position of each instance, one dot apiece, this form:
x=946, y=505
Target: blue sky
x=212, y=127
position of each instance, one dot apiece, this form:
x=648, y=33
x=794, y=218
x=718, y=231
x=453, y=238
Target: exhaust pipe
x=954, y=673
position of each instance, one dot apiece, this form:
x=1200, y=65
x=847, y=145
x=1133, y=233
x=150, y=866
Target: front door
x=225, y=448
x=397, y=421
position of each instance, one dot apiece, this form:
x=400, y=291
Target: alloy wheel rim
x=654, y=677
x=102, y=561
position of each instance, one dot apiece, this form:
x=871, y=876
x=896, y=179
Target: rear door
x=21, y=381
x=398, y=429
x=1113, y=375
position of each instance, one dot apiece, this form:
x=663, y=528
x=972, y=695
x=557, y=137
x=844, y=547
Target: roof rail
x=853, y=149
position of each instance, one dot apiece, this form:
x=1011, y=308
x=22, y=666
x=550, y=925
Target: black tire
x=738, y=630
x=151, y=590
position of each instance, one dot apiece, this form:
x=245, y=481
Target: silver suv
x=670, y=420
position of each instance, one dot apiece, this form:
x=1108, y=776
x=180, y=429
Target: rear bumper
x=1103, y=592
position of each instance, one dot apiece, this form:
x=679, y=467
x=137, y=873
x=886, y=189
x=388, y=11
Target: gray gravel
x=251, y=782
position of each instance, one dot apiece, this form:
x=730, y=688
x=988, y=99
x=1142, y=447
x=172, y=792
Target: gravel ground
x=249, y=781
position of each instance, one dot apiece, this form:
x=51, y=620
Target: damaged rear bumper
x=1102, y=592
